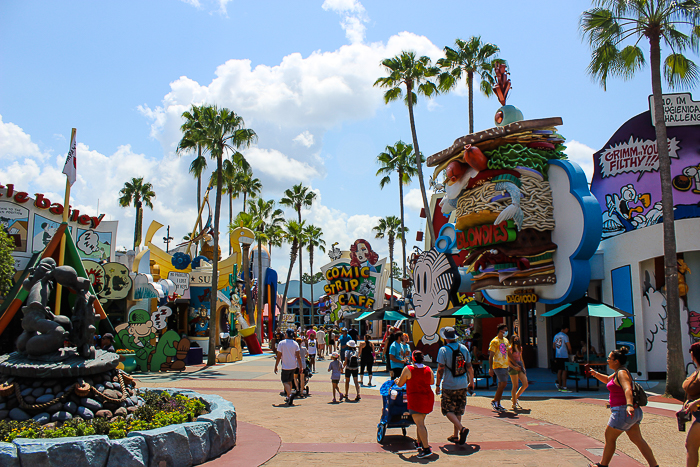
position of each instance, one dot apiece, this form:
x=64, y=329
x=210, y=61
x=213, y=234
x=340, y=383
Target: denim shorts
x=501, y=374
x=620, y=419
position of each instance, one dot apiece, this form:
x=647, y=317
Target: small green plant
x=160, y=409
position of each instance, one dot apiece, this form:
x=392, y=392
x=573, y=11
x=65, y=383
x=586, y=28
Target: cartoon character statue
x=201, y=326
x=433, y=280
x=361, y=254
x=166, y=353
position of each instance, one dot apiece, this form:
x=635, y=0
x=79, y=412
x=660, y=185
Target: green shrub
x=159, y=410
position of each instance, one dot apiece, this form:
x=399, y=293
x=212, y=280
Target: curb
x=209, y=436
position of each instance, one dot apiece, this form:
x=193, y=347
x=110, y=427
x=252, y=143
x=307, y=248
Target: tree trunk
x=293, y=256
x=391, y=269
x=245, y=196
x=230, y=218
x=137, y=226
x=301, y=284
x=214, y=317
x=199, y=181
x=403, y=243
x=675, y=368
x=470, y=85
x=419, y=165
x=246, y=278
x=311, y=271
x=258, y=321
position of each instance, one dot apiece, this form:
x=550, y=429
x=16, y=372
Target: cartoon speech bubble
x=160, y=317
x=88, y=242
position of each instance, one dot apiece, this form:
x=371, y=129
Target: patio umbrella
x=587, y=307
x=384, y=315
x=474, y=309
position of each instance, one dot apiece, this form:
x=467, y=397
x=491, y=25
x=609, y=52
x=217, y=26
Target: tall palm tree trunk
x=311, y=272
x=245, y=196
x=214, y=318
x=293, y=256
x=419, y=165
x=199, y=181
x=675, y=369
x=230, y=218
x=403, y=241
x=301, y=291
x=137, y=224
x=391, y=268
x=470, y=85
x=261, y=279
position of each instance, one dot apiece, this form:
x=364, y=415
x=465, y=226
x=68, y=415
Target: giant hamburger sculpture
x=498, y=195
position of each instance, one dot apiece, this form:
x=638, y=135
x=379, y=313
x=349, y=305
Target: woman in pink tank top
x=625, y=416
x=418, y=378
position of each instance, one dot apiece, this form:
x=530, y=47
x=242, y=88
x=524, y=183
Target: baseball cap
x=290, y=333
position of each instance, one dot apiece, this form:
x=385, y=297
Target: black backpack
x=639, y=396
x=459, y=362
x=353, y=360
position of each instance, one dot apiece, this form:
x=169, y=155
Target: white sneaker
x=558, y=387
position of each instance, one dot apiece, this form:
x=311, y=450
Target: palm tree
x=294, y=232
x=412, y=72
x=313, y=240
x=398, y=158
x=244, y=219
x=263, y=213
x=275, y=235
x=607, y=27
x=199, y=163
x=220, y=131
x=230, y=170
x=467, y=58
x=138, y=193
x=299, y=196
x=247, y=184
x=390, y=227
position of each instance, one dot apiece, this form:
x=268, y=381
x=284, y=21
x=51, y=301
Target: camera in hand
x=682, y=417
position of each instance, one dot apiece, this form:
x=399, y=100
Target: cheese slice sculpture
x=522, y=212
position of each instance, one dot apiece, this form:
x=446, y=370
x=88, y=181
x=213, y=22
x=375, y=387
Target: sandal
x=357, y=399
x=453, y=439
x=591, y=464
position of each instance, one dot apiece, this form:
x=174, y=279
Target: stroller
x=394, y=411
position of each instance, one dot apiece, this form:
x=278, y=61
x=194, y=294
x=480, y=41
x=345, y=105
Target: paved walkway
x=557, y=430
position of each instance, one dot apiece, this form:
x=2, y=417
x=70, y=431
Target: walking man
x=397, y=357
x=344, y=339
x=288, y=353
x=498, y=364
x=562, y=349
x=455, y=381
x=321, y=342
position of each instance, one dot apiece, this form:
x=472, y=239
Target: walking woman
x=691, y=386
x=624, y=417
x=366, y=359
x=516, y=370
x=418, y=378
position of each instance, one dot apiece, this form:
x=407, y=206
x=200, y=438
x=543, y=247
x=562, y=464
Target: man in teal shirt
x=397, y=356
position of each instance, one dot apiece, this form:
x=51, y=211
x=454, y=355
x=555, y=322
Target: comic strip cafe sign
x=42, y=202
x=342, y=280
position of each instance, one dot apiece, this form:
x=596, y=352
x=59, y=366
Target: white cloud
x=194, y=3
x=15, y=143
x=354, y=18
x=582, y=155
x=279, y=166
x=413, y=200
x=222, y=7
x=306, y=139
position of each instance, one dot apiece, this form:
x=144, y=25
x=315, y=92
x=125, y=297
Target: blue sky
x=299, y=73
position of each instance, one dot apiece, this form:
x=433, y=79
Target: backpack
x=459, y=363
x=639, y=396
x=353, y=360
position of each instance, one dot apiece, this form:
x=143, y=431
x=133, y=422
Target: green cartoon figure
x=166, y=353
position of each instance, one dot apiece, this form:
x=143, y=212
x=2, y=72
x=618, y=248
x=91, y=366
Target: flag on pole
x=70, y=168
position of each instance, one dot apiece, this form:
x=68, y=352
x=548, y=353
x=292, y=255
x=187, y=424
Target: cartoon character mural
x=361, y=254
x=92, y=244
x=435, y=284
x=111, y=281
x=655, y=319
x=624, y=179
x=166, y=352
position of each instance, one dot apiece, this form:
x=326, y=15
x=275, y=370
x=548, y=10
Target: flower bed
x=159, y=409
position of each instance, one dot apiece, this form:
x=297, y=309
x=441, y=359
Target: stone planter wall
x=176, y=445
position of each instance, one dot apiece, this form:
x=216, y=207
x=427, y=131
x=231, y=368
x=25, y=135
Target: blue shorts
x=501, y=374
x=620, y=419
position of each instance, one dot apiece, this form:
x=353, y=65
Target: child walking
x=335, y=368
